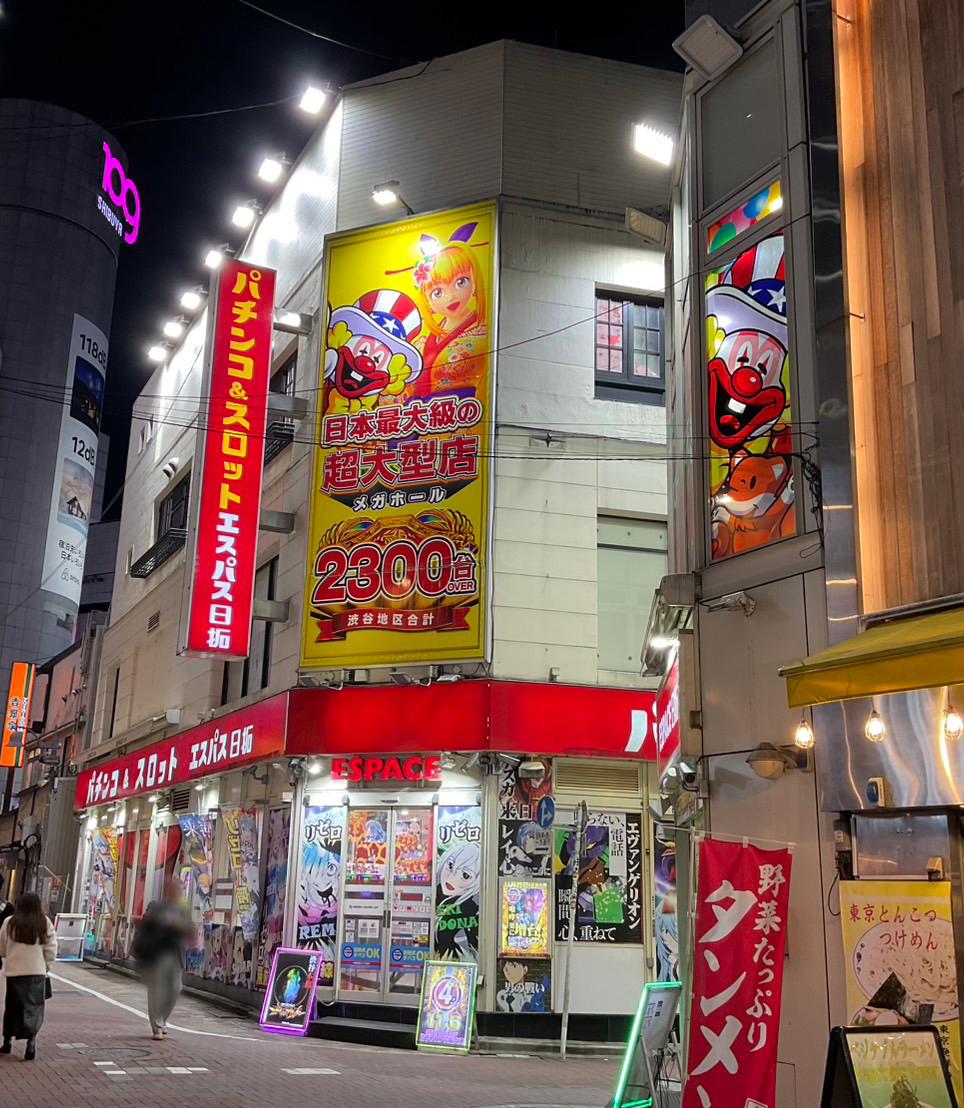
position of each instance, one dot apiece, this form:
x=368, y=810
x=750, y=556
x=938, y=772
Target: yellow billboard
x=898, y=939
x=400, y=491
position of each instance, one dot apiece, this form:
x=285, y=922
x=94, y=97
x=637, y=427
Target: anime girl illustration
x=457, y=903
x=450, y=293
x=240, y=959
x=318, y=903
x=528, y=854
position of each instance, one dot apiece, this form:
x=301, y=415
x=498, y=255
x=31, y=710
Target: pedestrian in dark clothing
x=159, y=951
x=28, y=945
x=6, y=911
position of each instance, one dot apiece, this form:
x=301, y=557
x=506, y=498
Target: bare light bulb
x=953, y=724
x=803, y=736
x=875, y=729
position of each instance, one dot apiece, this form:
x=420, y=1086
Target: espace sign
x=413, y=768
x=123, y=212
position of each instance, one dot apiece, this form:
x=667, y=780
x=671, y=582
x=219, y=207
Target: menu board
x=524, y=918
x=70, y=928
x=897, y=1067
x=447, y=1007
x=650, y=1034
x=289, y=1001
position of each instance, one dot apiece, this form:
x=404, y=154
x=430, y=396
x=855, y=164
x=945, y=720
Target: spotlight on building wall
x=707, y=47
x=170, y=467
x=271, y=169
x=157, y=353
x=314, y=767
x=192, y=299
x=245, y=214
x=387, y=193
x=173, y=329
x=312, y=100
x=214, y=257
x=652, y=143
x=292, y=323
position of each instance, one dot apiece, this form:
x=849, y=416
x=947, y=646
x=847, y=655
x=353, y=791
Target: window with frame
x=248, y=675
x=629, y=353
x=172, y=510
x=630, y=562
x=281, y=432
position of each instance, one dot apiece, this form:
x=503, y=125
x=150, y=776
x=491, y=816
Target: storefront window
x=748, y=401
x=749, y=213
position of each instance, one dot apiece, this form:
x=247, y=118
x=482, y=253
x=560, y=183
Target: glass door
x=386, y=904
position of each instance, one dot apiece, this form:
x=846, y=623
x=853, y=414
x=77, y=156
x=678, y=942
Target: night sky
x=117, y=61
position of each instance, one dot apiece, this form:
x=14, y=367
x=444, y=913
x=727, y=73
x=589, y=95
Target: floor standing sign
x=650, y=1035
x=289, y=1001
x=886, y=1067
x=447, y=1007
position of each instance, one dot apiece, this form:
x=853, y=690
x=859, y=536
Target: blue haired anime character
x=529, y=853
x=318, y=897
x=667, y=939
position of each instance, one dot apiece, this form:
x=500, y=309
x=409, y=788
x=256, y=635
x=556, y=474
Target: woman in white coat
x=28, y=947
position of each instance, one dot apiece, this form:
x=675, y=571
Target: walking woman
x=28, y=946
x=159, y=952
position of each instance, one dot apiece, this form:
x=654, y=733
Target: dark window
x=172, y=510
x=283, y=379
x=113, y=703
x=252, y=673
x=281, y=431
x=629, y=349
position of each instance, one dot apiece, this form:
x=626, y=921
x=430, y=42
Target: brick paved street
x=95, y=1051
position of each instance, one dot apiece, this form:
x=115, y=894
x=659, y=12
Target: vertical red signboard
x=216, y=621
x=17, y=717
x=740, y=938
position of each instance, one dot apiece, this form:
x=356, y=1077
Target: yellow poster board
x=398, y=541
x=899, y=953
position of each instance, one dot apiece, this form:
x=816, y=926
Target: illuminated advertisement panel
x=17, y=717
x=216, y=621
x=399, y=504
x=748, y=401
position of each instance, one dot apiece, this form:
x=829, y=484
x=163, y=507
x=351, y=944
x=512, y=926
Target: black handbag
x=48, y=989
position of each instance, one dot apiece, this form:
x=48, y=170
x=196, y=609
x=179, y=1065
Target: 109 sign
x=121, y=191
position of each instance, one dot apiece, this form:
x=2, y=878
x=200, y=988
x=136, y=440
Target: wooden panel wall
x=900, y=68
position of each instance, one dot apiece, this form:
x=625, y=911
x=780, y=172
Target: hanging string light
x=875, y=729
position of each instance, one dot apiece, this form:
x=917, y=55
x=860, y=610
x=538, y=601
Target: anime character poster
x=241, y=833
x=367, y=856
x=608, y=879
x=217, y=952
x=527, y=798
x=748, y=401
x=319, y=885
x=523, y=985
x=240, y=959
x=399, y=508
x=458, y=877
x=103, y=880
x=524, y=848
x=524, y=924
x=197, y=848
x=665, y=922
x=275, y=889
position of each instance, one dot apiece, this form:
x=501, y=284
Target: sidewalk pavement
x=95, y=1051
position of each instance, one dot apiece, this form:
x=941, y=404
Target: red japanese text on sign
x=740, y=939
x=234, y=414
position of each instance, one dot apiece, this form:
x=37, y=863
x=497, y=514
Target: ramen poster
x=399, y=503
x=899, y=953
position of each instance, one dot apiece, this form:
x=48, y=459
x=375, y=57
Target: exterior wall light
x=191, y=300
x=173, y=329
x=271, y=169
x=652, y=144
x=387, y=193
x=157, y=353
x=244, y=214
x=214, y=257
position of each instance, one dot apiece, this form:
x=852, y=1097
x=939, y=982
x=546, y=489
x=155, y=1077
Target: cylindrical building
x=66, y=208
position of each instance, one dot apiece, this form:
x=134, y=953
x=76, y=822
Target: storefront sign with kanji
x=399, y=504
x=743, y=895
x=226, y=503
x=16, y=720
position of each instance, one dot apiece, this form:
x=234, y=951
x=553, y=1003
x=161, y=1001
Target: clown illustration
x=749, y=402
x=370, y=352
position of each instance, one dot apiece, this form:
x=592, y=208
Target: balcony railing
x=166, y=546
x=280, y=435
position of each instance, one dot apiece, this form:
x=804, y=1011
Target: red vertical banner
x=216, y=621
x=743, y=894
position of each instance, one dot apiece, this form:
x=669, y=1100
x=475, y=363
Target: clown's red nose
x=365, y=364
x=747, y=382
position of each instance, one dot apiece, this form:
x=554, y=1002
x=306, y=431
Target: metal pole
x=582, y=818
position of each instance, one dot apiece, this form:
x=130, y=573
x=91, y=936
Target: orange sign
x=17, y=718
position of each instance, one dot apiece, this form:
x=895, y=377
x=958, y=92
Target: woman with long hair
x=28, y=946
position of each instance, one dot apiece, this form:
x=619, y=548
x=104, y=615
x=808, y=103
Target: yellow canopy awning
x=919, y=653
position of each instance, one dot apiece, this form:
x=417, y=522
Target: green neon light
x=622, y=1080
